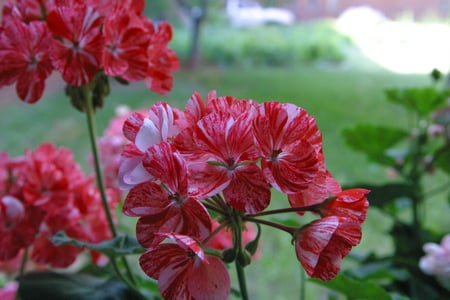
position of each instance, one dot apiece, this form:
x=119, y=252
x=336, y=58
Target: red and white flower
x=321, y=245
x=184, y=271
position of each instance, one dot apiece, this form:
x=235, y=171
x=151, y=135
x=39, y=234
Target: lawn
x=337, y=96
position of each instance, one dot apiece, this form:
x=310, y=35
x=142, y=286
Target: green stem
x=302, y=285
x=98, y=174
x=241, y=278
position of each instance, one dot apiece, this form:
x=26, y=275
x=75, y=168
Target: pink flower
x=25, y=56
x=167, y=208
x=144, y=132
x=321, y=245
x=289, y=143
x=9, y=291
x=436, y=261
x=78, y=45
x=184, y=271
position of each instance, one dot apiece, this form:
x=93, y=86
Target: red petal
x=248, y=190
x=210, y=280
x=145, y=199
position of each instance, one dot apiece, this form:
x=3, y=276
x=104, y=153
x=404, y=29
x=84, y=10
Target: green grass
x=337, y=97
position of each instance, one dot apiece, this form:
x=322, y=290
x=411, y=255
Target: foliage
x=413, y=155
x=268, y=45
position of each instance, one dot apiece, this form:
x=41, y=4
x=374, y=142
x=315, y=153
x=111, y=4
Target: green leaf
x=56, y=286
x=374, y=141
x=443, y=159
x=121, y=245
x=420, y=100
x=355, y=289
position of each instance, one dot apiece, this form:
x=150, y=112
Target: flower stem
x=288, y=210
x=98, y=174
x=288, y=229
x=241, y=278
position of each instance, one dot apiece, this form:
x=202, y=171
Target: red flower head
x=167, y=207
x=222, y=158
x=162, y=60
x=184, y=272
x=78, y=45
x=289, y=142
x=321, y=245
x=25, y=57
x=126, y=43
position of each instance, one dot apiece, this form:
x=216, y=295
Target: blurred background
x=334, y=58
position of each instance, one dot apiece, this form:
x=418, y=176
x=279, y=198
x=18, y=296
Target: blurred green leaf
x=374, y=141
x=121, y=245
x=379, y=270
x=420, y=100
x=56, y=286
x=442, y=160
x=355, y=289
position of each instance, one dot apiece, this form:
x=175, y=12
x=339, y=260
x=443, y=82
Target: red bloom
x=162, y=60
x=78, y=44
x=222, y=157
x=126, y=43
x=289, y=142
x=25, y=57
x=184, y=271
x=24, y=10
x=19, y=225
x=351, y=204
x=321, y=245
x=168, y=209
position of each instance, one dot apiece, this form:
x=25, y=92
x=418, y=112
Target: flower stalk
x=89, y=106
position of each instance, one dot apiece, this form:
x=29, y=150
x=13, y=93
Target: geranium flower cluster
x=42, y=193
x=80, y=39
x=217, y=161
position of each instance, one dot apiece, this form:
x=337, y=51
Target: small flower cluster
x=44, y=192
x=436, y=261
x=79, y=39
x=217, y=161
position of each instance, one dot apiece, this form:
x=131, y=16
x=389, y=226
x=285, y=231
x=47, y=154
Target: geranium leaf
x=420, y=100
x=56, y=286
x=121, y=245
x=355, y=289
x=374, y=141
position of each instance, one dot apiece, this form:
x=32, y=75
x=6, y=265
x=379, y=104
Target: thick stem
x=98, y=174
x=241, y=278
x=98, y=171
